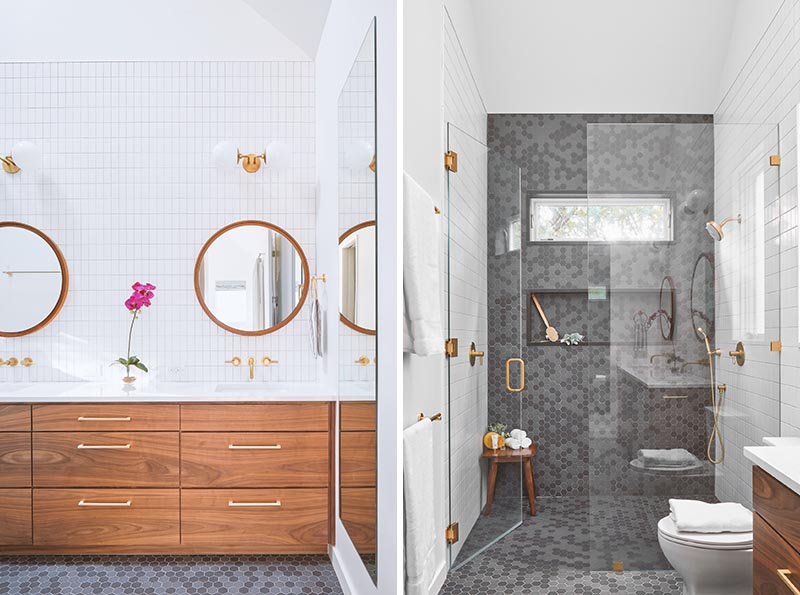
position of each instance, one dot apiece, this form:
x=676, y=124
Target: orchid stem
x=130, y=336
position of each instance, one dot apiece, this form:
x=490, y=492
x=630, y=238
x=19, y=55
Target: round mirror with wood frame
x=251, y=278
x=34, y=279
x=351, y=281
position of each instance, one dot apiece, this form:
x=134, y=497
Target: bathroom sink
x=12, y=388
x=252, y=387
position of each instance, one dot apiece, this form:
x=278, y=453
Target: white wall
x=348, y=21
x=584, y=56
x=89, y=30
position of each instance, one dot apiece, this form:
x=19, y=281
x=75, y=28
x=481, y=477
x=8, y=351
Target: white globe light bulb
x=27, y=156
x=279, y=156
x=224, y=156
x=358, y=155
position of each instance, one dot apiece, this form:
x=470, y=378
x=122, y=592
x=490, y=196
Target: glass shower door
x=484, y=389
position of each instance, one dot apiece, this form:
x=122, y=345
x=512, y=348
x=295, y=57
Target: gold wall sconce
x=23, y=156
x=226, y=157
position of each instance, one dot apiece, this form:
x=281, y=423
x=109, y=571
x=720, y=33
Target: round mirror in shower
x=250, y=278
x=357, y=269
x=701, y=301
x=33, y=279
x=666, y=308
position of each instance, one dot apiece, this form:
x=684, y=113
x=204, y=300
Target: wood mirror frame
x=669, y=315
x=300, y=302
x=342, y=238
x=62, y=263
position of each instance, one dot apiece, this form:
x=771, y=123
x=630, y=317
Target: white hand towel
x=518, y=434
x=423, y=334
x=513, y=443
x=694, y=516
x=418, y=457
x=525, y=442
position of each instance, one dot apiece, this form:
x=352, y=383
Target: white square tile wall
x=356, y=202
x=128, y=191
x=759, y=112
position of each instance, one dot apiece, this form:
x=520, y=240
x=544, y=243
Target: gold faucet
x=27, y=362
x=699, y=362
x=234, y=361
x=251, y=361
x=12, y=362
x=268, y=361
x=363, y=360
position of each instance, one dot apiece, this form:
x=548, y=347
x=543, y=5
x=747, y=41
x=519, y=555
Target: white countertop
x=98, y=392
x=782, y=462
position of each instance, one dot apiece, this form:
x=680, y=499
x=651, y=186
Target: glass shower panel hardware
x=479, y=240
x=521, y=386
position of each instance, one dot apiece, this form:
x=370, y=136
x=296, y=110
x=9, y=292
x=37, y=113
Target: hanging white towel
x=694, y=516
x=418, y=457
x=316, y=321
x=422, y=325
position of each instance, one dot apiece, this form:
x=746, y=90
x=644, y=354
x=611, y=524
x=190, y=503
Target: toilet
x=710, y=563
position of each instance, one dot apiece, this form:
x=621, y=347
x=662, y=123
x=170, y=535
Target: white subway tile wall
x=356, y=201
x=468, y=292
x=757, y=118
x=128, y=191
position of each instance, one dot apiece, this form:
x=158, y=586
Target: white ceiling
x=618, y=56
x=301, y=21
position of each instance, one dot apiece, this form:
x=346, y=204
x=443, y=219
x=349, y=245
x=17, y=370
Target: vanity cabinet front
x=166, y=478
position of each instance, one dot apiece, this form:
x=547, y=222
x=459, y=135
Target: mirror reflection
x=250, y=278
x=357, y=279
x=33, y=279
x=358, y=164
x=702, y=296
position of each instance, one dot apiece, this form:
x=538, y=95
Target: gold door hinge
x=774, y=160
x=451, y=533
x=618, y=566
x=451, y=161
x=775, y=346
x=451, y=348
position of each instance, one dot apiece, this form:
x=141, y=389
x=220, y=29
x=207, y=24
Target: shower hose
x=716, y=405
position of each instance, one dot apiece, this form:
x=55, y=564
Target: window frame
x=564, y=197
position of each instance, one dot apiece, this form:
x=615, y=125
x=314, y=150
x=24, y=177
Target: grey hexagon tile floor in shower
x=168, y=575
x=568, y=549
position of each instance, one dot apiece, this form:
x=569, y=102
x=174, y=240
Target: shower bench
x=509, y=455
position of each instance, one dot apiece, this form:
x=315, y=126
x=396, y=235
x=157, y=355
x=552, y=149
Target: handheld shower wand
x=716, y=403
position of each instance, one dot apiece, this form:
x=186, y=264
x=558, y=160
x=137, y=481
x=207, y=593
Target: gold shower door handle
x=521, y=374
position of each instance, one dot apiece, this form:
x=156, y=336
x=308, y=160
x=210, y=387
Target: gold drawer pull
x=785, y=573
x=676, y=396
x=82, y=418
x=255, y=447
x=104, y=446
x=245, y=504
x=85, y=503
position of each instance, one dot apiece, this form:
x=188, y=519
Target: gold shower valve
x=738, y=355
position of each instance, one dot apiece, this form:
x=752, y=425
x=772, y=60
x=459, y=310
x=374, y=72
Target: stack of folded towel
x=693, y=516
x=652, y=458
x=518, y=439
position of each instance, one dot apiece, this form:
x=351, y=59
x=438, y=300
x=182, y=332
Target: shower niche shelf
x=588, y=311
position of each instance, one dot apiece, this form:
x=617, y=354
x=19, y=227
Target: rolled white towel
x=513, y=443
x=693, y=516
x=518, y=434
x=666, y=457
x=525, y=442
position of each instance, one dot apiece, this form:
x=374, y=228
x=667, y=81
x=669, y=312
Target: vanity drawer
x=284, y=519
x=357, y=416
x=15, y=459
x=359, y=513
x=15, y=418
x=106, y=459
x=89, y=417
x=358, y=458
x=106, y=517
x=773, y=558
x=15, y=517
x=256, y=417
x=256, y=459
x=779, y=506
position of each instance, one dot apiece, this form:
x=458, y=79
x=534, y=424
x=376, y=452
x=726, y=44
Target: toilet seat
x=710, y=541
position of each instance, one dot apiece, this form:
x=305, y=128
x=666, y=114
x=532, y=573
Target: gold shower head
x=714, y=229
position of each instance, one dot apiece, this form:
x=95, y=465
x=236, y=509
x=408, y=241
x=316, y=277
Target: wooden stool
x=509, y=455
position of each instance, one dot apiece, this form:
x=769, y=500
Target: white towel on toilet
x=422, y=320
x=418, y=457
x=693, y=516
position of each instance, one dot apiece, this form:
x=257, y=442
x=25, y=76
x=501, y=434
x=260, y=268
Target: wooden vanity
x=188, y=478
x=776, y=536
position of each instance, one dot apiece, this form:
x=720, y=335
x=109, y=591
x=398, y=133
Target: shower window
x=606, y=218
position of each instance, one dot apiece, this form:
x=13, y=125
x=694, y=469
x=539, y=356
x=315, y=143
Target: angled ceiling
x=302, y=22
x=584, y=56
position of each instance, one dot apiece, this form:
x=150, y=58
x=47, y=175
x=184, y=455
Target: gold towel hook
x=437, y=417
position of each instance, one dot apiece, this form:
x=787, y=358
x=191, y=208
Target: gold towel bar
x=437, y=417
